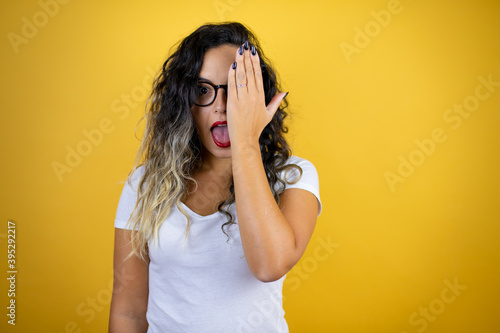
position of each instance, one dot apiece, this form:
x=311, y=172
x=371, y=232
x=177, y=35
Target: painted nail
x=234, y=65
x=286, y=94
x=240, y=50
x=246, y=45
x=253, y=50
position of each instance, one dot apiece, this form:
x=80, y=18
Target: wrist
x=244, y=142
x=245, y=153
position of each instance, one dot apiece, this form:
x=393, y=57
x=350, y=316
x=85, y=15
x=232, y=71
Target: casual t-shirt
x=202, y=283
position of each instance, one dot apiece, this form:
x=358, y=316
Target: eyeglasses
x=207, y=93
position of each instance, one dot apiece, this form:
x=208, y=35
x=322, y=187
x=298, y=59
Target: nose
x=221, y=100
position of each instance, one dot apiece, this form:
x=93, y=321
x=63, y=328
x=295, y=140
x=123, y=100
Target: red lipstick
x=220, y=134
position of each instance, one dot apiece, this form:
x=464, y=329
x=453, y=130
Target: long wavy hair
x=170, y=152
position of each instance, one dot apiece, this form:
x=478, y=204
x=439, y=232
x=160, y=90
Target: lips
x=220, y=134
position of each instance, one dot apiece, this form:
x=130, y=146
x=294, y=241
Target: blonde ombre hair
x=170, y=152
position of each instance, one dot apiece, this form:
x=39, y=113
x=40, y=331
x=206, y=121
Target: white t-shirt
x=203, y=283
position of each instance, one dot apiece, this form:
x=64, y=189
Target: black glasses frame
x=216, y=88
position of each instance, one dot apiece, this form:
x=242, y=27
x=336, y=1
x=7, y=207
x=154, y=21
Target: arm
x=130, y=288
x=273, y=238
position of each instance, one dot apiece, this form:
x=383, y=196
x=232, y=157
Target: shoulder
x=305, y=169
x=299, y=161
x=128, y=198
x=304, y=177
x=134, y=178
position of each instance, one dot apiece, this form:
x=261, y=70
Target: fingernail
x=253, y=50
x=286, y=94
x=240, y=50
x=234, y=65
x=246, y=45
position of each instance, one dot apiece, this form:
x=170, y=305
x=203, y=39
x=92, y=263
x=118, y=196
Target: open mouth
x=220, y=134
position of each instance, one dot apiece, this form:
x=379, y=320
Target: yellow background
x=392, y=249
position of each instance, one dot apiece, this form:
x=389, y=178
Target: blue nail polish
x=234, y=65
x=246, y=45
x=253, y=50
x=240, y=50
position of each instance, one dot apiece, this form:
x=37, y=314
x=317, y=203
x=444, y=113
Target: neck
x=219, y=167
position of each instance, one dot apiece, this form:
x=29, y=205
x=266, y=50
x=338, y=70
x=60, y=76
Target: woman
x=220, y=210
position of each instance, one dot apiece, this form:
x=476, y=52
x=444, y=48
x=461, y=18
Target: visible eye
x=204, y=89
x=206, y=94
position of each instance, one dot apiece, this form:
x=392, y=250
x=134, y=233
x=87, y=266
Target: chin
x=217, y=152
x=226, y=153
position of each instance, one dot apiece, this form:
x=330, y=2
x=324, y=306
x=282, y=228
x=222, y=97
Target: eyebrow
x=202, y=79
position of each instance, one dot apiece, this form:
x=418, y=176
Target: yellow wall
x=409, y=236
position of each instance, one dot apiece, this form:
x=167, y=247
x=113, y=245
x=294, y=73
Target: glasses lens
x=205, y=94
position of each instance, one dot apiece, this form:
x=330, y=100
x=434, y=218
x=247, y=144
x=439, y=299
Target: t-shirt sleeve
x=127, y=201
x=309, y=180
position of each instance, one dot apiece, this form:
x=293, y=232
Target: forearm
x=122, y=323
x=267, y=238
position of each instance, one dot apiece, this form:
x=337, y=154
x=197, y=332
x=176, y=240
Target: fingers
x=249, y=70
x=241, y=75
x=252, y=68
x=257, y=71
x=231, y=81
x=275, y=102
x=247, y=74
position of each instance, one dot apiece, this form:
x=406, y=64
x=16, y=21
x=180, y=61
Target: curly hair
x=170, y=152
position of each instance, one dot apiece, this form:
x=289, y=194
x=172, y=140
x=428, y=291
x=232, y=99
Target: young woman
x=216, y=210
